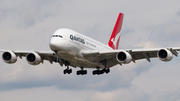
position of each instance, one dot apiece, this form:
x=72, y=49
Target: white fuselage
x=69, y=45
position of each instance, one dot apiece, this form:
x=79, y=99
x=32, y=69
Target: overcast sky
x=29, y=24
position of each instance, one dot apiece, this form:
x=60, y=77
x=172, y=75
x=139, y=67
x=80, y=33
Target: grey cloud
x=44, y=94
x=126, y=31
x=178, y=13
x=165, y=96
x=27, y=13
x=166, y=34
x=112, y=82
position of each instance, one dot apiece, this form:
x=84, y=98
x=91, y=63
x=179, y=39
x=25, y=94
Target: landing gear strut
x=81, y=72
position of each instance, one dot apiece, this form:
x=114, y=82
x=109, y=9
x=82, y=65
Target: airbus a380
x=70, y=48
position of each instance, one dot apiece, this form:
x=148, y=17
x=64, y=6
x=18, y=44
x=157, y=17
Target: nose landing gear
x=67, y=70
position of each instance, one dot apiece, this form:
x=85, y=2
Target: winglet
x=115, y=36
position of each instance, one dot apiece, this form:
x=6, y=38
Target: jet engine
x=123, y=57
x=9, y=57
x=33, y=58
x=164, y=55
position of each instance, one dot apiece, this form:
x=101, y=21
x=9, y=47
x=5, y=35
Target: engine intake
x=123, y=57
x=33, y=58
x=164, y=55
x=9, y=57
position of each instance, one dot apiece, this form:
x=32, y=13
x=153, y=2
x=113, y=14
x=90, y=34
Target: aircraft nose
x=53, y=44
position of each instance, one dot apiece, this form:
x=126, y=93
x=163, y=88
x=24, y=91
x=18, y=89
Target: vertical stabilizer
x=115, y=36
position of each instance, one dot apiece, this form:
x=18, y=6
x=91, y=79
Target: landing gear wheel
x=107, y=70
x=98, y=72
x=84, y=72
x=94, y=72
x=81, y=72
x=65, y=71
x=101, y=72
x=78, y=72
x=68, y=71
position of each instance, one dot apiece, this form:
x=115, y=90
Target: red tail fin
x=115, y=36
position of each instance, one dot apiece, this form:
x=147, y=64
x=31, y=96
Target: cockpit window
x=57, y=36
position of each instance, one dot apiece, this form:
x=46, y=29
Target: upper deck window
x=57, y=36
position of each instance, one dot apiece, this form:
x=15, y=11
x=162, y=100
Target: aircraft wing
x=136, y=54
x=45, y=55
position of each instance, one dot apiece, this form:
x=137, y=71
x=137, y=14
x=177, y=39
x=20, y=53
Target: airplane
x=70, y=48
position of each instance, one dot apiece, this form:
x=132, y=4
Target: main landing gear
x=105, y=70
x=81, y=72
x=68, y=71
x=98, y=71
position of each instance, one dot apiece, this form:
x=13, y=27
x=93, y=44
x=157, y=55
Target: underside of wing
x=114, y=57
x=100, y=56
x=32, y=57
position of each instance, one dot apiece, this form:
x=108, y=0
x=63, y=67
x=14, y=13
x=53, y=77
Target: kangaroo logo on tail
x=115, y=36
x=115, y=40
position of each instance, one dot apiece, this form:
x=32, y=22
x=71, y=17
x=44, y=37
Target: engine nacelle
x=123, y=57
x=164, y=55
x=9, y=57
x=33, y=58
